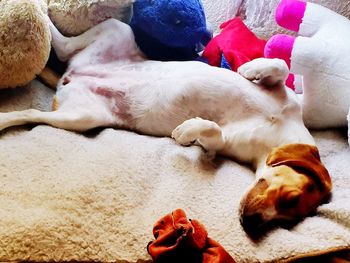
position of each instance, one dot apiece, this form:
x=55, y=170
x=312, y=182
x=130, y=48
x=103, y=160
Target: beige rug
x=67, y=196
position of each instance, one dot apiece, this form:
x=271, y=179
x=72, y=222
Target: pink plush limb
x=306, y=18
x=290, y=13
x=290, y=81
x=281, y=46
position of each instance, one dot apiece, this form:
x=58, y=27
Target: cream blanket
x=66, y=196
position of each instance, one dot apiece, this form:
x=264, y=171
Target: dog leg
x=66, y=47
x=269, y=72
x=74, y=121
x=206, y=133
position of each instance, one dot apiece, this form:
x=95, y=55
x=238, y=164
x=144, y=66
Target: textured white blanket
x=67, y=196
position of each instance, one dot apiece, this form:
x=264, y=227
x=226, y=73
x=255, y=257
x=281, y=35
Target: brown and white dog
x=250, y=117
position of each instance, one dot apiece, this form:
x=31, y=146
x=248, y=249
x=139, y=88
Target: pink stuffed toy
x=320, y=59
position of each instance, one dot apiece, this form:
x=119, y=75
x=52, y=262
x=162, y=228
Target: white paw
x=187, y=132
x=195, y=129
x=262, y=69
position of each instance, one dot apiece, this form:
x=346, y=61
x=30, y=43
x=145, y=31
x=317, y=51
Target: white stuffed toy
x=321, y=55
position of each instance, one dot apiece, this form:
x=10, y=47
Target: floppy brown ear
x=302, y=157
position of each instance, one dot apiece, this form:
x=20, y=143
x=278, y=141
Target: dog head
x=294, y=184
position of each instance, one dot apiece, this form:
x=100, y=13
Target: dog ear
x=304, y=158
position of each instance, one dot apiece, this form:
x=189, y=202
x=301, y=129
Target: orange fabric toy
x=180, y=240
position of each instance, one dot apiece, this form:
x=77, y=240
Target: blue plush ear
x=178, y=25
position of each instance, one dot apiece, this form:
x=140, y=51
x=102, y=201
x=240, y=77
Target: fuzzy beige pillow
x=24, y=41
x=73, y=17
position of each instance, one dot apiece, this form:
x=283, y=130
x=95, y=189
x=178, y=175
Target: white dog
x=109, y=83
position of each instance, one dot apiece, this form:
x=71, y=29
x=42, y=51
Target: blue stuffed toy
x=170, y=29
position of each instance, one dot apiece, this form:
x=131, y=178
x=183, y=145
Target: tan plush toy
x=73, y=17
x=25, y=35
x=24, y=41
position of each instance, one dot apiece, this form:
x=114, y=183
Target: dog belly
x=154, y=97
x=98, y=98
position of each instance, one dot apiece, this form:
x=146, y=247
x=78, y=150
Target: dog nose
x=251, y=222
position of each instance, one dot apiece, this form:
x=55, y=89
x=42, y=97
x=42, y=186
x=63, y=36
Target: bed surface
x=95, y=196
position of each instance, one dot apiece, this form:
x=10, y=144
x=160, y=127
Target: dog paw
x=187, y=132
x=262, y=69
x=206, y=133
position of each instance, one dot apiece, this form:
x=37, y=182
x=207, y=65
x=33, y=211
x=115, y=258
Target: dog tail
x=49, y=78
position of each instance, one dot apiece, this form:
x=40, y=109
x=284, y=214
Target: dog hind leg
x=74, y=121
x=66, y=47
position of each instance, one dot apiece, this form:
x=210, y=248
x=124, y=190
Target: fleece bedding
x=66, y=196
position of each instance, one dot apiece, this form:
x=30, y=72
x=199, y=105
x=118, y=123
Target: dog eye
x=310, y=188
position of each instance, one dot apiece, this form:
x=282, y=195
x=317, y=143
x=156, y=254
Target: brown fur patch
x=55, y=104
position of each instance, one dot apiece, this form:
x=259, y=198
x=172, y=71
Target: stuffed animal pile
x=25, y=35
x=164, y=30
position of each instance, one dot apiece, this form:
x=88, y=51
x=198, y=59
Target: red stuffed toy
x=236, y=44
x=178, y=239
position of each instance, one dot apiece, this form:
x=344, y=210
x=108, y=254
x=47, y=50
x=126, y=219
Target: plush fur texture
x=170, y=30
x=236, y=43
x=24, y=41
x=320, y=55
x=73, y=17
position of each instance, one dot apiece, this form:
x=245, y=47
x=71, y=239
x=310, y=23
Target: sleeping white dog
x=109, y=83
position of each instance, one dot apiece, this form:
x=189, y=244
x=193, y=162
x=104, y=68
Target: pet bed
x=95, y=197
